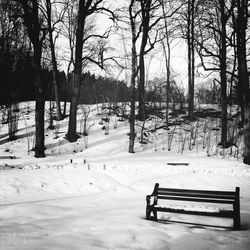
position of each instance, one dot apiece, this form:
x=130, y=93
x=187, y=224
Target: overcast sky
x=155, y=65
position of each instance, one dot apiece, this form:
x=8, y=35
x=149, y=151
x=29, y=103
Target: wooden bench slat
x=194, y=199
x=197, y=191
x=201, y=195
x=222, y=213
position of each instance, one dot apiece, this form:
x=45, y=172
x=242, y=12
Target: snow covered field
x=94, y=198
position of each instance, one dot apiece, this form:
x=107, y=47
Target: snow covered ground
x=94, y=197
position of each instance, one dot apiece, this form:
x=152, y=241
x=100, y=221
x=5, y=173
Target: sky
x=155, y=65
x=155, y=62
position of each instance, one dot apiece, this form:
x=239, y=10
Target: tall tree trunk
x=244, y=89
x=192, y=61
x=54, y=63
x=39, y=122
x=72, y=134
x=55, y=83
x=241, y=26
x=167, y=64
x=40, y=103
x=190, y=42
x=246, y=152
x=31, y=18
x=145, y=10
x=133, y=79
x=167, y=55
x=141, y=87
x=132, y=111
x=223, y=75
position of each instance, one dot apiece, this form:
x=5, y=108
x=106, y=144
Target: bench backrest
x=207, y=196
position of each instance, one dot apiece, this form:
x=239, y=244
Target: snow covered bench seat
x=187, y=195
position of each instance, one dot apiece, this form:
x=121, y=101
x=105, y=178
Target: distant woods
x=20, y=87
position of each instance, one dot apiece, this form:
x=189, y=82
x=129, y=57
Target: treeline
x=16, y=79
x=99, y=89
x=19, y=85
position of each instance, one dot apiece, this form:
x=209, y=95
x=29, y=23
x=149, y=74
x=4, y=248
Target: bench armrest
x=148, y=200
x=154, y=194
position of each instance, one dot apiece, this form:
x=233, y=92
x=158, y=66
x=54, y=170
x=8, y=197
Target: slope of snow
x=94, y=197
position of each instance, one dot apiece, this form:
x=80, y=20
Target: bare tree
x=168, y=36
x=191, y=58
x=212, y=48
x=188, y=14
x=85, y=10
x=132, y=17
x=36, y=33
x=51, y=25
x=148, y=22
x=240, y=26
x=69, y=32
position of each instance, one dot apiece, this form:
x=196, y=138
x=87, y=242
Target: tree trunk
x=223, y=75
x=246, y=152
x=167, y=56
x=54, y=63
x=145, y=10
x=190, y=42
x=133, y=78
x=72, y=134
x=244, y=90
x=32, y=23
x=40, y=104
x=192, y=62
x=167, y=63
x=141, y=87
x=223, y=110
x=55, y=84
x=132, y=111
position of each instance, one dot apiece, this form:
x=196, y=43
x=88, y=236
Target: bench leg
x=155, y=215
x=148, y=212
x=236, y=207
x=237, y=221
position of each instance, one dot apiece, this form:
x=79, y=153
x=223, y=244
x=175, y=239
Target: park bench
x=187, y=195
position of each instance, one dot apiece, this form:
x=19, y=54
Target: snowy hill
x=91, y=194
